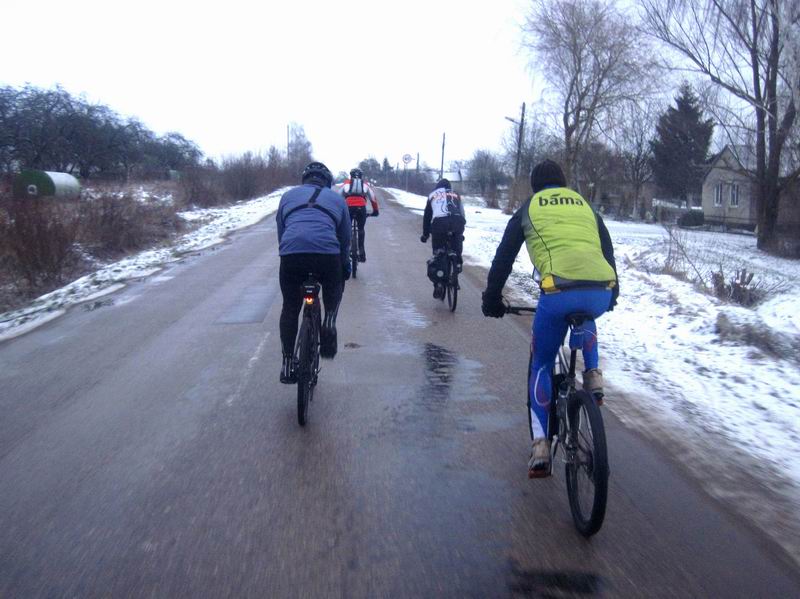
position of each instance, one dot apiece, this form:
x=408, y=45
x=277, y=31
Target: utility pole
x=441, y=167
x=519, y=141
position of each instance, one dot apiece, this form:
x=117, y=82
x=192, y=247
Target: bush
x=111, y=224
x=40, y=238
x=245, y=177
x=693, y=218
x=201, y=187
x=741, y=287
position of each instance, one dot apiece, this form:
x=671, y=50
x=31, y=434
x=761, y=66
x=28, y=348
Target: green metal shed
x=32, y=184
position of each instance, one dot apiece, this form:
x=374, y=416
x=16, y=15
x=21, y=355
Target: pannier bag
x=436, y=267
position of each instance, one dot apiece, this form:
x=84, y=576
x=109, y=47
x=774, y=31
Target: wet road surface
x=147, y=450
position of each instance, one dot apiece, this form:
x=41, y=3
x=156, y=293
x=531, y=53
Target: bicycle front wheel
x=306, y=370
x=587, y=469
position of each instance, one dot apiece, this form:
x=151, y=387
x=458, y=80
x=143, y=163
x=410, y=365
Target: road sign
x=407, y=158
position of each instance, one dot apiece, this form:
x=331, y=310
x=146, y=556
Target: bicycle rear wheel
x=354, y=255
x=587, y=473
x=306, y=370
x=451, y=284
x=452, y=289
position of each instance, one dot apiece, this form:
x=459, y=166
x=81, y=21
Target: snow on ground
x=216, y=224
x=142, y=193
x=716, y=383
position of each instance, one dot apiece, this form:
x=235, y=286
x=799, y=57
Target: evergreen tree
x=680, y=147
x=370, y=167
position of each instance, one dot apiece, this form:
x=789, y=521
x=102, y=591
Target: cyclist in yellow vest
x=573, y=256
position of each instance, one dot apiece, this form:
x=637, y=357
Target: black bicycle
x=306, y=353
x=576, y=426
x=449, y=277
x=355, y=243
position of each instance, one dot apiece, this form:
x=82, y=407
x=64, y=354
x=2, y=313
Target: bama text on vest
x=563, y=241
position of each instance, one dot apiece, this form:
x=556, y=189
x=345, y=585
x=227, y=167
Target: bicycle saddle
x=578, y=318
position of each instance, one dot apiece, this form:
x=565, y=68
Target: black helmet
x=547, y=173
x=356, y=174
x=443, y=183
x=316, y=172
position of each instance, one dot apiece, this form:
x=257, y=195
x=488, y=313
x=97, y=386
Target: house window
x=718, y=195
x=734, y=195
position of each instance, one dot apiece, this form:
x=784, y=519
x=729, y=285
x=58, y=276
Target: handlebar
x=519, y=309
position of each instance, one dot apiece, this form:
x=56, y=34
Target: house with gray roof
x=728, y=190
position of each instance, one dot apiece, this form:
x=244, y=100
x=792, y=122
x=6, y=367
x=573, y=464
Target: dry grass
x=111, y=225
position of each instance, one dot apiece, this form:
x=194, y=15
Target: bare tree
x=539, y=142
x=630, y=135
x=299, y=151
x=601, y=167
x=749, y=50
x=593, y=59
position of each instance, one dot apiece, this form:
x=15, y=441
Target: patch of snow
x=26, y=324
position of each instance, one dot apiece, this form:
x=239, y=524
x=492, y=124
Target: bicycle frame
x=566, y=388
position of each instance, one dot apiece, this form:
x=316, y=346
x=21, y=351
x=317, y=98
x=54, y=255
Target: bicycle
x=354, y=245
x=450, y=273
x=576, y=425
x=306, y=353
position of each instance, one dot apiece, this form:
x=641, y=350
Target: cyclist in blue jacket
x=313, y=237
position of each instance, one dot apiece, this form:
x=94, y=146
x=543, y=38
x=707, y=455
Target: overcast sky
x=363, y=77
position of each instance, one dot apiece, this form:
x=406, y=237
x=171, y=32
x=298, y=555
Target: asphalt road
x=148, y=450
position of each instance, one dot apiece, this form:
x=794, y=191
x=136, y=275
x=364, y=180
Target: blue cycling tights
x=549, y=328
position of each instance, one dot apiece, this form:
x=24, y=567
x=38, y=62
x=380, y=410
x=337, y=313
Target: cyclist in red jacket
x=357, y=193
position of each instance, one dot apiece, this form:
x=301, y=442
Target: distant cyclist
x=357, y=193
x=313, y=237
x=572, y=252
x=444, y=214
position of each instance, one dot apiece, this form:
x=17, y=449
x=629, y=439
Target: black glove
x=493, y=305
x=614, y=296
x=423, y=238
x=376, y=213
x=347, y=269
